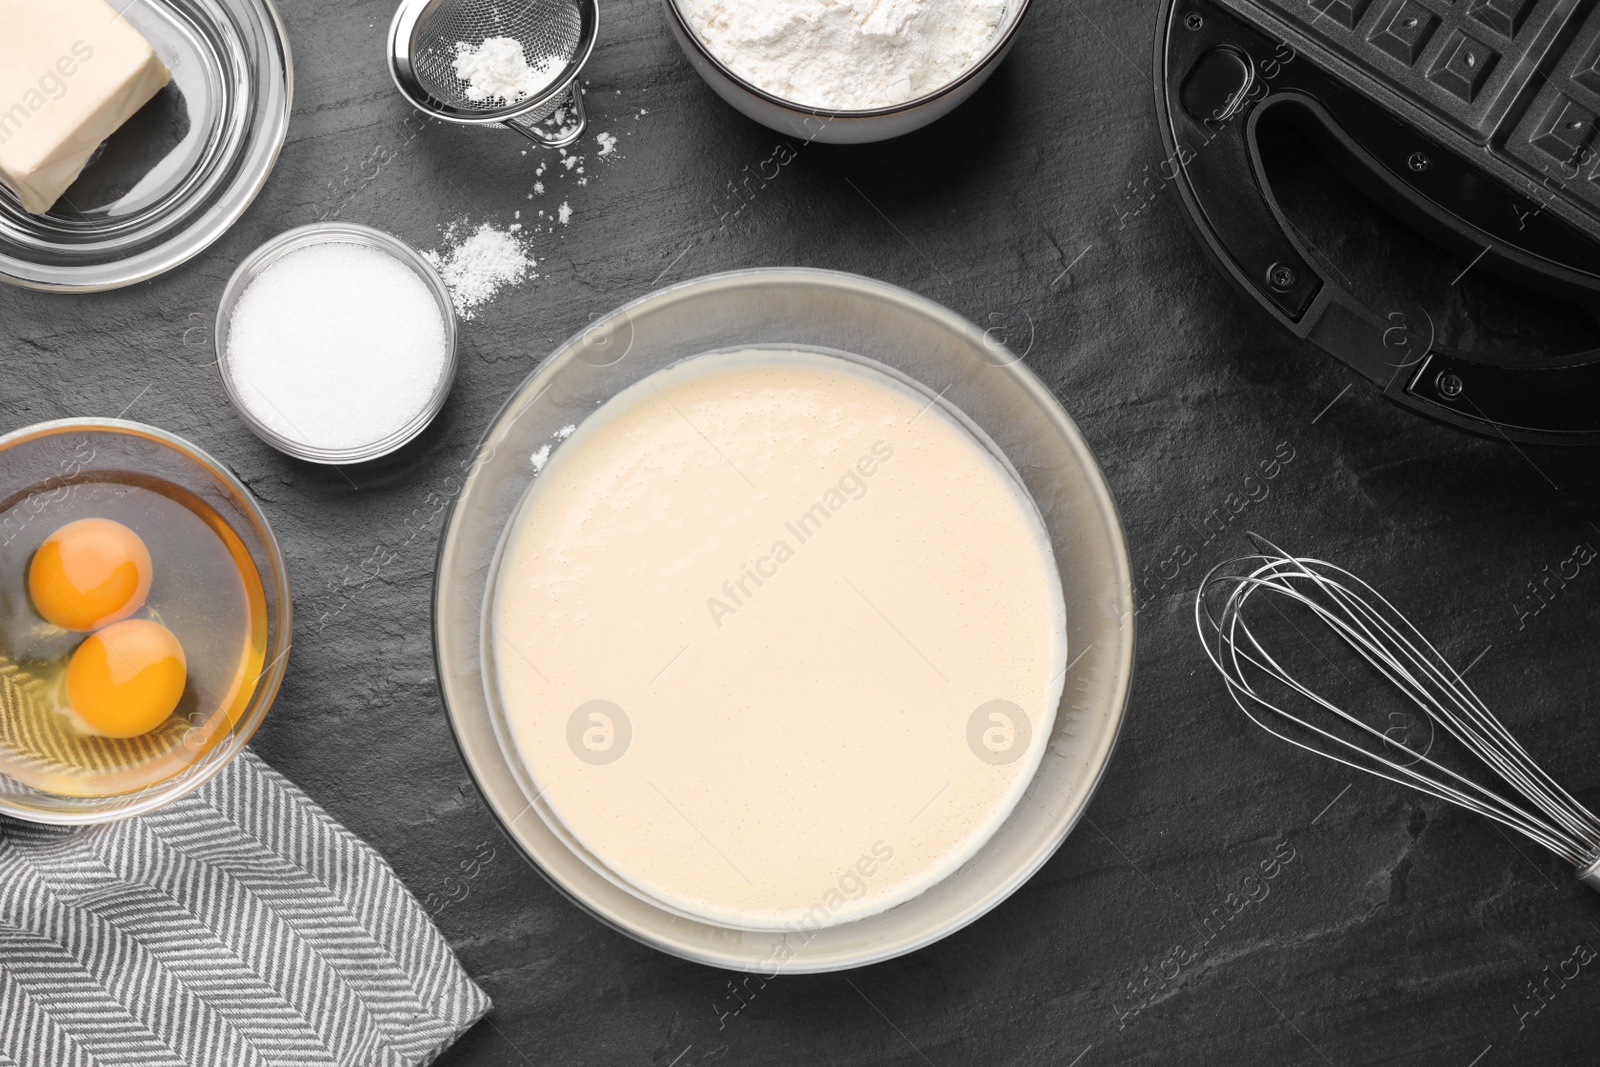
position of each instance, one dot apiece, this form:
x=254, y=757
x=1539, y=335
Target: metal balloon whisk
x=1302, y=603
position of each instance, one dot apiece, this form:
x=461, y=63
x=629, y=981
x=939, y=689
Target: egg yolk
x=89, y=573
x=126, y=679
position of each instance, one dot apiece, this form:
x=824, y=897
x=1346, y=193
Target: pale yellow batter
x=778, y=639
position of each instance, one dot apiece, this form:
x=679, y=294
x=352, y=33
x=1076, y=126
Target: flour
x=498, y=70
x=847, y=55
x=476, y=265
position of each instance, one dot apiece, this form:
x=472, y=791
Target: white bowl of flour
x=845, y=71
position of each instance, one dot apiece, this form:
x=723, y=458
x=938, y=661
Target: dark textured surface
x=1398, y=932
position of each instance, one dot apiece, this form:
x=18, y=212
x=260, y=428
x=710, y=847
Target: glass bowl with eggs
x=841, y=73
x=145, y=620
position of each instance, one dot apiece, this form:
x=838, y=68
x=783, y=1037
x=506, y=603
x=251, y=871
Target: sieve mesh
x=548, y=30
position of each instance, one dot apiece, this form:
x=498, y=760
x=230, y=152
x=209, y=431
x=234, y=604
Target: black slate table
x=1394, y=930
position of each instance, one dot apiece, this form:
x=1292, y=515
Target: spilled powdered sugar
x=478, y=262
x=476, y=265
x=542, y=455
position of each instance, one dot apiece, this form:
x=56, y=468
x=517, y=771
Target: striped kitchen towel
x=239, y=927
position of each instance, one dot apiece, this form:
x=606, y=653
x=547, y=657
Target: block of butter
x=71, y=73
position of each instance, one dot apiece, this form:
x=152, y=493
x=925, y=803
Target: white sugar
x=337, y=347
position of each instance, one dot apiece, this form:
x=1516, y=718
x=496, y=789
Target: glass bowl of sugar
x=841, y=73
x=336, y=343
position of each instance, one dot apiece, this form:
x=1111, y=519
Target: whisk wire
x=1479, y=799
x=1369, y=625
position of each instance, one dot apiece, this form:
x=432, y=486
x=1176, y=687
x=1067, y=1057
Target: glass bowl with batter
x=850, y=779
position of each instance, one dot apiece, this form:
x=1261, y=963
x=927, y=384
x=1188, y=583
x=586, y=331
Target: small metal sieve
x=427, y=36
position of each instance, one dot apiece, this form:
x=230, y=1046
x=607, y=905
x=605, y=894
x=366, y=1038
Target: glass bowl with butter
x=687, y=657
x=97, y=194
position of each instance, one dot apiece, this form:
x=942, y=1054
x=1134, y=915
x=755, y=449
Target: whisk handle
x=1590, y=875
x=568, y=134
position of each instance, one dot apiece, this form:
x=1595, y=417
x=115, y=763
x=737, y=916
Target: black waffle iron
x=1474, y=121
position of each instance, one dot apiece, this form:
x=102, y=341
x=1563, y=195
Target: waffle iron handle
x=1222, y=85
x=1543, y=405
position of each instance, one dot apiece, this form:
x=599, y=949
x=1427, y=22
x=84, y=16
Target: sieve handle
x=567, y=134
